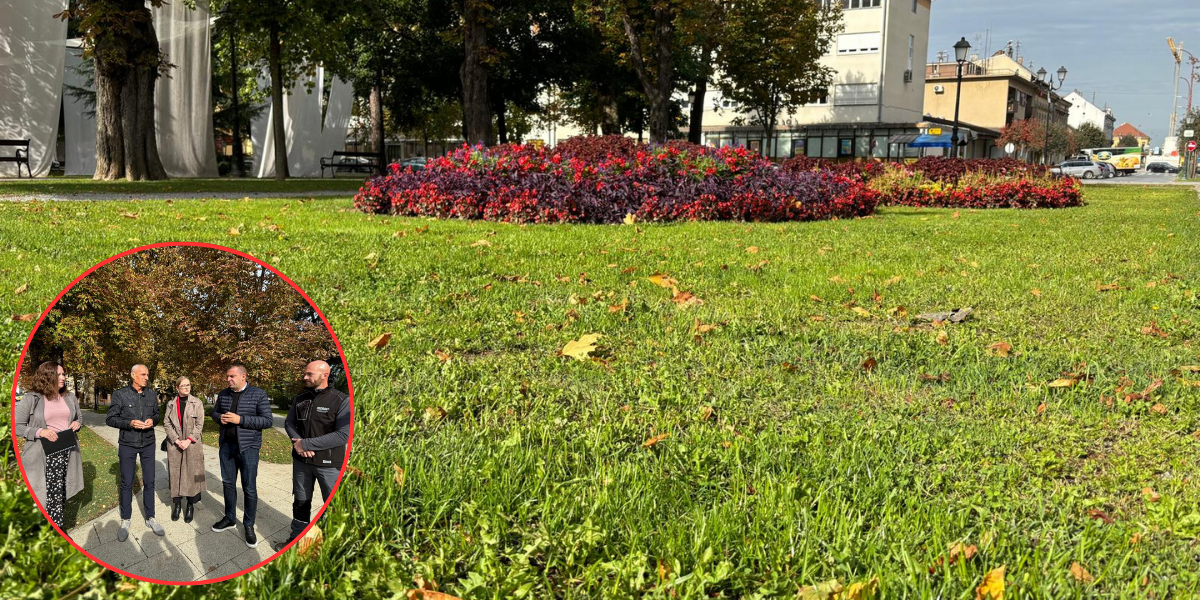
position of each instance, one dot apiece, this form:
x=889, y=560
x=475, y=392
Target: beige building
x=995, y=92
x=875, y=99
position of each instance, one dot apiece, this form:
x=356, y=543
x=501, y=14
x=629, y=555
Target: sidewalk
x=190, y=551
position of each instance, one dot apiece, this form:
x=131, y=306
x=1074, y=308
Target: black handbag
x=163, y=446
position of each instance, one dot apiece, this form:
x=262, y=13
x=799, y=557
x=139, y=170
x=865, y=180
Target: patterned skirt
x=56, y=485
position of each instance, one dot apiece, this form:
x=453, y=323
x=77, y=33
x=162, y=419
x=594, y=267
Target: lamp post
x=960, y=54
x=238, y=155
x=1050, y=89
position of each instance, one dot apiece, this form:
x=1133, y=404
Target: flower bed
x=602, y=180
x=955, y=183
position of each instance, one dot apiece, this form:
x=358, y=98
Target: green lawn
x=84, y=185
x=540, y=478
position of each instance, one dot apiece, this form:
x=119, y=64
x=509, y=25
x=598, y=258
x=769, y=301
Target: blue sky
x=1115, y=48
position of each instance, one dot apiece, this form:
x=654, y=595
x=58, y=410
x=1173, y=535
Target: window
x=858, y=43
x=912, y=44
x=813, y=147
x=914, y=6
x=852, y=4
x=856, y=94
x=821, y=101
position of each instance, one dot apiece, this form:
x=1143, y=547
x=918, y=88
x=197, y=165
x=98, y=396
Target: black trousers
x=129, y=458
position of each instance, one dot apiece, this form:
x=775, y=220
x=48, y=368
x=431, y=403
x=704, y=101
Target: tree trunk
x=610, y=121
x=276, y=67
x=501, y=120
x=126, y=67
x=477, y=114
x=658, y=86
x=378, y=140
x=696, y=122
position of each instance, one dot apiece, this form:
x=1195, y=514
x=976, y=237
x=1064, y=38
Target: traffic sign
x=1010, y=147
x=1189, y=133
x=1191, y=146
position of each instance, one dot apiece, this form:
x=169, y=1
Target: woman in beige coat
x=46, y=410
x=185, y=453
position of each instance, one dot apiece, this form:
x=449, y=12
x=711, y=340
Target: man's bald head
x=316, y=374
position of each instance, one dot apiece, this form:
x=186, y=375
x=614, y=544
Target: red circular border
x=349, y=384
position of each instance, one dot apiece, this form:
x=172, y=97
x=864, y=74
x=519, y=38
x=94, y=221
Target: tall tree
x=1091, y=136
x=1128, y=141
x=770, y=56
x=119, y=35
x=477, y=109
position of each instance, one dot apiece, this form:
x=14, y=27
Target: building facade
x=1083, y=111
x=1125, y=129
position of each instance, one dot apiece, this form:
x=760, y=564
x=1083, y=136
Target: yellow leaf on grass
x=1190, y=368
x=1149, y=495
x=943, y=338
x=1080, y=573
x=417, y=594
x=398, y=474
x=706, y=412
x=1062, y=382
x=311, y=542
x=480, y=243
x=664, y=281
x=630, y=218
x=1036, y=292
x=862, y=312
x=828, y=590
x=860, y=590
x=235, y=231
x=1000, y=349
x=752, y=250
x=21, y=290
x=380, y=342
x=992, y=586
x=26, y=318
x=129, y=215
x=892, y=281
x=615, y=308
x=580, y=349
x=655, y=439
x=1107, y=287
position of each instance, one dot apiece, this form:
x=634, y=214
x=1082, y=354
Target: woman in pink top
x=42, y=413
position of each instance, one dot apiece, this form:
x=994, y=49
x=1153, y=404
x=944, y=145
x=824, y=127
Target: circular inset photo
x=177, y=410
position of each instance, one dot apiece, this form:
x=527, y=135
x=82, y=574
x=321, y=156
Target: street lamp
x=1043, y=78
x=238, y=156
x=960, y=54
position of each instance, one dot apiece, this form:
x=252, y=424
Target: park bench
x=354, y=162
x=20, y=156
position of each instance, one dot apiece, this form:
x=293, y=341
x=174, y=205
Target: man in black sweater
x=134, y=410
x=318, y=423
x=242, y=411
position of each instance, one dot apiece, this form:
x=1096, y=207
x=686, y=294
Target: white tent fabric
x=183, y=100
x=309, y=136
x=79, y=128
x=31, y=76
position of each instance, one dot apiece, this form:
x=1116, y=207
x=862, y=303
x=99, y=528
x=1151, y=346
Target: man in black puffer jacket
x=242, y=411
x=134, y=410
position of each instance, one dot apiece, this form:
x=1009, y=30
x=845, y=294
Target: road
x=1141, y=178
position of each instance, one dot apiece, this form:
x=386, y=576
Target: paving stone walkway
x=189, y=551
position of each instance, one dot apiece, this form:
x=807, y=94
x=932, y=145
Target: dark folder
x=66, y=440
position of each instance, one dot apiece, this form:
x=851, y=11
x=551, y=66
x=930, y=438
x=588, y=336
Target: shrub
x=596, y=180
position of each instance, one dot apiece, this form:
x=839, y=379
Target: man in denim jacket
x=241, y=411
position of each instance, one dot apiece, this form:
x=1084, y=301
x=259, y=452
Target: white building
x=872, y=107
x=1083, y=111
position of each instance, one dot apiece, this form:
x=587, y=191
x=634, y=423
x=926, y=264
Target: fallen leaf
x=815, y=298
x=1041, y=408
x=630, y=218
x=24, y=318
x=860, y=590
x=21, y=290
x=943, y=377
x=686, y=300
x=1001, y=349
x=862, y=312
x=1036, y=292
x=943, y=338
x=1107, y=287
x=816, y=318
x=310, y=542
x=1135, y=539
x=435, y=412
x=1149, y=495
x=892, y=281
x=417, y=594
x=752, y=250
x=1098, y=514
x=1080, y=573
x=706, y=413
x=1158, y=408
x=130, y=215
x=398, y=475
x=480, y=244
x=444, y=357
x=580, y=349
x=1190, y=368
x=869, y=364
x=1063, y=382
x=992, y=586
x=664, y=281
x=380, y=342
x=615, y=308
x=235, y=231
x=357, y=472
x=655, y=439
x=699, y=327
x=828, y=590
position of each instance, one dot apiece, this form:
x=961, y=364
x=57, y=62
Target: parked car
x=1161, y=167
x=417, y=163
x=1084, y=169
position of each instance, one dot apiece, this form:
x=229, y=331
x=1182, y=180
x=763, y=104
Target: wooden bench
x=20, y=156
x=339, y=162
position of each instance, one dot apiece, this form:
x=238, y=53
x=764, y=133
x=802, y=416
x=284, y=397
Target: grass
x=276, y=447
x=539, y=477
x=84, y=185
x=102, y=480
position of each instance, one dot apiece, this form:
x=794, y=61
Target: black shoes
x=175, y=510
x=224, y=524
x=187, y=513
x=251, y=539
x=277, y=546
